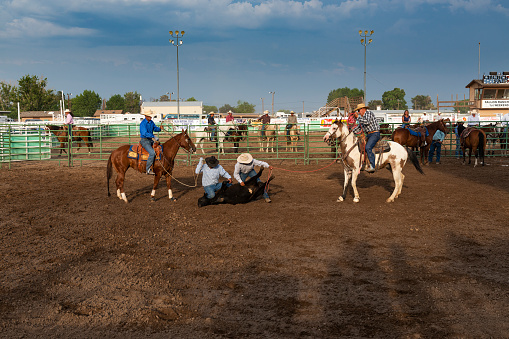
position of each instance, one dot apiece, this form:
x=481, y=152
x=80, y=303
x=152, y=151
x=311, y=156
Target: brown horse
x=119, y=160
x=79, y=134
x=403, y=137
x=475, y=140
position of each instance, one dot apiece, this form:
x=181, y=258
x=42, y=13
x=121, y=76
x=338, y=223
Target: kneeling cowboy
x=371, y=128
x=211, y=174
x=147, y=129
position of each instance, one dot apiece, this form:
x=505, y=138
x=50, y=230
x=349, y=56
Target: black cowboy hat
x=211, y=161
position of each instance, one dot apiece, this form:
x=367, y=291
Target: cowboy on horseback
x=147, y=129
x=371, y=128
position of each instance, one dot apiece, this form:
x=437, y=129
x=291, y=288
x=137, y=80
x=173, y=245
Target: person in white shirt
x=473, y=119
x=245, y=168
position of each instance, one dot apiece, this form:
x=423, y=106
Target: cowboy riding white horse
x=351, y=157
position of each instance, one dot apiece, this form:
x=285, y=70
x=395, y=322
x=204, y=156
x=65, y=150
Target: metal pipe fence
x=35, y=142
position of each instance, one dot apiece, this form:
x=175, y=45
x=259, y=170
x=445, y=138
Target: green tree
x=132, y=102
x=208, y=109
x=191, y=99
x=163, y=97
x=422, y=102
x=244, y=107
x=345, y=92
x=374, y=103
x=116, y=102
x=461, y=106
x=33, y=95
x=394, y=99
x=8, y=95
x=85, y=104
x=225, y=108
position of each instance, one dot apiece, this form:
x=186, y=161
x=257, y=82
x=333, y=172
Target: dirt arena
x=78, y=264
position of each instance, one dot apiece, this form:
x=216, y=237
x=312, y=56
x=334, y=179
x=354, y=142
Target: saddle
x=465, y=134
x=382, y=146
x=141, y=155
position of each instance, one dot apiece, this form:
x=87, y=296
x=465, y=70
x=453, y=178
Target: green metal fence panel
x=26, y=143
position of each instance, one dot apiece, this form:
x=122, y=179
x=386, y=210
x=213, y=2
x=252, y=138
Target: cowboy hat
x=359, y=106
x=149, y=113
x=245, y=158
x=67, y=111
x=266, y=112
x=292, y=112
x=211, y=161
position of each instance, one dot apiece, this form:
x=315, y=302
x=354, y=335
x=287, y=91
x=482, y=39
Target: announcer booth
x=490, y=96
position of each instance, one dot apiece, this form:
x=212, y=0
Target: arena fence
x=20, y=142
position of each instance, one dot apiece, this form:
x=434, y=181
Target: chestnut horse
x=119, y=160
x=78, y=134
x=475, y=141
x=403, y=137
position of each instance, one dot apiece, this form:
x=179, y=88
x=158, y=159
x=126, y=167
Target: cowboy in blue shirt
x=147, y=129
x=436, y=144
x=371, y=128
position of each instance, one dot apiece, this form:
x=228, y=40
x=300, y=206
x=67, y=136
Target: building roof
x=478, y=83
x=107, y=111
x=171, y=103
x=36, y=114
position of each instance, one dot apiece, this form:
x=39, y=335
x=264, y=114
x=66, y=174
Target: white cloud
x=33, y=28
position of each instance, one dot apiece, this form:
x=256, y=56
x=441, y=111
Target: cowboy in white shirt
x=472, y=119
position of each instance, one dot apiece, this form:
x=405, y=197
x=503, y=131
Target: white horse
x=351, y=157
x=202, y=135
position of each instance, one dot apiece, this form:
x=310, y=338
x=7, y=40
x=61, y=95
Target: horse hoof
x=356, y=199
x=389, y=200
x=152, y=199
x=173, y=199
x=340, y=199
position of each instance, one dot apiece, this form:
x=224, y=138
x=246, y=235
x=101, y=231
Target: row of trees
x=33, y=95
x=391, y=100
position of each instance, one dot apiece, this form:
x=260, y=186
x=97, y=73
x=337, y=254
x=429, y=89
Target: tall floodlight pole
x=177, y=42
x=272, y=101
x=365, y=42
x=263, y=108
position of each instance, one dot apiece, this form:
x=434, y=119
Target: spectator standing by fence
x=436, y=145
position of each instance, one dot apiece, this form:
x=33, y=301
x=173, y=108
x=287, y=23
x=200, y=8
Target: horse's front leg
x=168, y=185
x=348, y=176
x=355, y=173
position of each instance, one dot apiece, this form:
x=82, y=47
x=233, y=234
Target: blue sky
x=242, y=50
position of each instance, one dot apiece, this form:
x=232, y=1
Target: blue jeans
x=263, y=132
x=211, y=190
x=371, y=140
x=147, y=145
x=251, y=174
x=213, y=129
x=458, y=152
x=435, y=145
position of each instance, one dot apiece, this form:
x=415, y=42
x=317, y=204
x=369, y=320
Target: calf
x=237, y=194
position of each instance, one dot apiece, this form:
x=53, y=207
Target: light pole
x=170, y=93
x=69, y=100
x=177, y=43
x=365, y=42
x=263, y=108
x=272, y=101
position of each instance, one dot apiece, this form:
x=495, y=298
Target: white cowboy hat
x=292, y=112
x=266, y=112
x=67, y=111
x=359, y=106
x=245, y=158
x=149, y=113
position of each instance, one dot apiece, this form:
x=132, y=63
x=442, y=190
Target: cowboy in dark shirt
x=265, y=119
x=212, y=126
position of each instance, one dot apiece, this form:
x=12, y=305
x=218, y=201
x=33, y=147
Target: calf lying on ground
x=237, y=194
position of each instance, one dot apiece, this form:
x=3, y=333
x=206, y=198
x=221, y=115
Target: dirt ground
x=79, y=264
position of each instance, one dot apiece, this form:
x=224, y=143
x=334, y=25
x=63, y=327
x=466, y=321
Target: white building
x=169, y=109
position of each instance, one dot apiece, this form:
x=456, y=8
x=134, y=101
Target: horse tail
x=414, y=160
x=481, y=145
x=108, y=174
